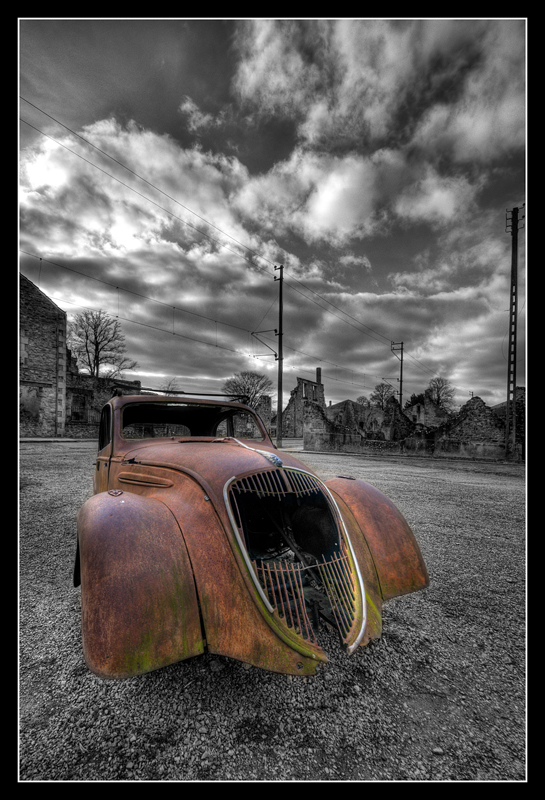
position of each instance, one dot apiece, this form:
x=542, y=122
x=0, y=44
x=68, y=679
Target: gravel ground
x=440, y=697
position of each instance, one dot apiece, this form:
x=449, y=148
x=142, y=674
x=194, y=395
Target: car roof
x=123, y=400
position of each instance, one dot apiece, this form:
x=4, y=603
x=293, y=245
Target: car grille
x=300, y=592
x=284, y=582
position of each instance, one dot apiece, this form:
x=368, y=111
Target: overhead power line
x=183, y=310
x=143, y=196
x=136, y=294
x=368, y=331
x=140, y=177
x=156, y=188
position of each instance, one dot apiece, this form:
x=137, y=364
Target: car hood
x=214, y=462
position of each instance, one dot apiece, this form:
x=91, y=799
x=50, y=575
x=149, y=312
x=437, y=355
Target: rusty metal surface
x=395, y=551
x=165, y=569
x=139, y=605
x=233, y=619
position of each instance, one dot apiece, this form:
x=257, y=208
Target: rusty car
x=202, y=537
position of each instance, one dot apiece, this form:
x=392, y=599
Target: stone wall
x=85, y=399
x=428, y=414
x=55, y=400
x=293, y=415
x=476, y=432
x=264, y=410
x=388, y=424
x=42, y=363
x=501, y=410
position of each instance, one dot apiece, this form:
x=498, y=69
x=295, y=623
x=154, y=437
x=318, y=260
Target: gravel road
x=440, y=697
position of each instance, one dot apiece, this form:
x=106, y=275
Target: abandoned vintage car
x=202, y=537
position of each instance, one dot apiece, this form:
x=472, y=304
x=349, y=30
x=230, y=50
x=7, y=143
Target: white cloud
x=436, y=199
x=487, y=119
x=196, y=119
x=365, y=75
x=103, y=212
x=323, y=198
x=272, y=71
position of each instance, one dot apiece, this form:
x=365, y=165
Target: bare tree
x=249, y=387
x=98, y=344
x=363, y=401
x=414, y=399
x=441, y=392
x=381, y=395
x=171, y=387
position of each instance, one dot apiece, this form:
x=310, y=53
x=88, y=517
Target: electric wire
x=369, y=331
x=137, y=294
x=168, y=305
x=140, y=177
x=143, y=196
x=151, y=327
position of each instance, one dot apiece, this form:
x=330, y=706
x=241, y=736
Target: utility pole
x=512, y=225
x=399, y=346
x=280, y=359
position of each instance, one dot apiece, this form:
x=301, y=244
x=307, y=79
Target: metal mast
x=512, y=225
x=399, y=346
x=280, y=360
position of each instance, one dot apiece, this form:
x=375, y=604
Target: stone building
x=42, y=363
x=264, y=409
x=292, y=415
x=476, y=432
x=348, y=413
x=370, y=422
x=55, y=399
x=428, y=414
x=351, y=427
x=501, y=410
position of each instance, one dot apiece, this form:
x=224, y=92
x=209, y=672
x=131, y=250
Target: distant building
x=55, y=399
x=427, y=414
x=305, y=391
x=42, y=363
x=264, y=409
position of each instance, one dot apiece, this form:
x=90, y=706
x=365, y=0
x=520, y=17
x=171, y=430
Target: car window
x=241, y=425
x=153, y=420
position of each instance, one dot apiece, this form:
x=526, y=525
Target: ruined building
x=292, y=415
x=42, y=362
x=428, y=414
x=55, y=399
x=476, y=431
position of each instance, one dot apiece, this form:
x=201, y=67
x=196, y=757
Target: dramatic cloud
x=374, y=159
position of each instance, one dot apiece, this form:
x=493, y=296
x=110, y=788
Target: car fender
x=398, y=561
x=138, y=597
x=234, y=619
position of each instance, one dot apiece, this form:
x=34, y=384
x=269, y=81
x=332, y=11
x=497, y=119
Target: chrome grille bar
x=280, y=583
x=337, y=579
x=284, y=587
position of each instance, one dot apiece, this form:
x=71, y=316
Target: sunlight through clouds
x=374, y=159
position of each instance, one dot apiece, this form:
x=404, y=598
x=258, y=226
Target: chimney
x=318, y=374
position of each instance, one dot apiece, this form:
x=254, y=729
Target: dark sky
x=168, y=165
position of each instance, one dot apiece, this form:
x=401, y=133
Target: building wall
x=55, y=400
x=305, y=391
x=477, y=432
x=388, y=424
x=427, y=414
x=501, y=410
x=264, y=409
x=42, y=363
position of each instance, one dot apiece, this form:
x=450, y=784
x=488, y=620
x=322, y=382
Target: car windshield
x=152, y=420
